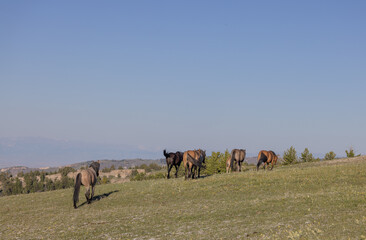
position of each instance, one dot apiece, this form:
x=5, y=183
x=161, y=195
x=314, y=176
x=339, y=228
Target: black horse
x=173, y=159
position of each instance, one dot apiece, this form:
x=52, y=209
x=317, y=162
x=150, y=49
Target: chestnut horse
x=266, y=157
x=88, y=178
x=192, y=161
x=173, y=159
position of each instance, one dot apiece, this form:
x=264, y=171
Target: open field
x=321, y=200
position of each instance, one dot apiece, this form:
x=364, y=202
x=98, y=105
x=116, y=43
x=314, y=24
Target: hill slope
x=325, y=200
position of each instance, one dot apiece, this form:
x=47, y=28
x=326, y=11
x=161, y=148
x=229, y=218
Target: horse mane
x=95, y=166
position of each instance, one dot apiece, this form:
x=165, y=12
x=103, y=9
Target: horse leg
x=169, y=169
x=92, y=195
x=239, y=166
x=186, y=171
x=272, y=165
x=176, y=170
x=87, y=193
x=199, y=172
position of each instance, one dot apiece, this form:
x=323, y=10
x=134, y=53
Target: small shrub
x=289, y=156
x=138, y=177
x=330, y=156
x=351, y=153
x=306, y=156
x=105, y=180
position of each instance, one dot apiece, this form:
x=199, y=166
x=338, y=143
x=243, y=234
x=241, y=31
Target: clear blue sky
x=186, y=74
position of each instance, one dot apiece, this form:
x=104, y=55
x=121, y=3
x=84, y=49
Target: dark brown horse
x=237, y=158
x=192, y=161
x=88, y=178
x=173, y=159
x=266, y=157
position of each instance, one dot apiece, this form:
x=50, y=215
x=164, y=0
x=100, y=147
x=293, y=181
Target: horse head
x=96, y=166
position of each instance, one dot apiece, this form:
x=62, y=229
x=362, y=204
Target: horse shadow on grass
x=99, y=197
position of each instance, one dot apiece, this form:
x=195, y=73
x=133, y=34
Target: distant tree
x=31, y=182
x=289, y=156
x=329, y=156
x=216, y=163
x=351, y=153
x=113, y=168
x=154, y=167
x=7, y=187
x=18, y=186
x=50, y=185
x=66, y=170
x=306, y=156
x=43, y=176
x=105, y=180
x=144, y=166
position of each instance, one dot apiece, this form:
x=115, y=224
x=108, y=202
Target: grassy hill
x=321, y=200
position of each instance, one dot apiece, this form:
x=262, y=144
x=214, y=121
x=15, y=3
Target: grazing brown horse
x=88, y=178
x=192, y=161
x=173, y=159
x=266, y=157
x=237, y=158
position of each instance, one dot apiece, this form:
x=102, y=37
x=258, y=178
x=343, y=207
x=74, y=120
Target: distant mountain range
x=126, y=163
x=42, y=152
x=37, y=153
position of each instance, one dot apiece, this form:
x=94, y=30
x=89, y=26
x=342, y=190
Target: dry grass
x=322, y=200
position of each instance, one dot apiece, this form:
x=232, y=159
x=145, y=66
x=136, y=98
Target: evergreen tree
x=289, y=156
x=351, y=153
x=306, y=156
x=329, y=156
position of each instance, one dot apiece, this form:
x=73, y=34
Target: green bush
x=105, y=180
x=138, y=176
x=289, y=156
x=330, y=156
x=351, y=153
x=216, y=163
x=306, y=156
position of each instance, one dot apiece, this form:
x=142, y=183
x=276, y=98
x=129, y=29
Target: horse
x=88, y=178
x=229, y=164
x=266, y=157
x=173, y=159
x=237, y=157
x=192, y=161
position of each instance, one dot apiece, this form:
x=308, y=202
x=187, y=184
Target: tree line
x=34, y=181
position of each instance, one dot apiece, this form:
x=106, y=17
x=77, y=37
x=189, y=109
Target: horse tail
x=259, y=163
x=77, y=189
x=165, y=154
x=261, y=159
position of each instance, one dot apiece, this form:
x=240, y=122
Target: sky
x=179, y=75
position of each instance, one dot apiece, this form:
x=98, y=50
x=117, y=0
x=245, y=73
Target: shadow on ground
x=99, y=197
